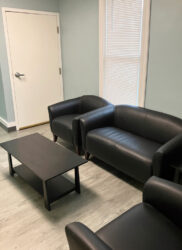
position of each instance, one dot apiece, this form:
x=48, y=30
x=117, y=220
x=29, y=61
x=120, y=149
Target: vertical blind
x=122, y=50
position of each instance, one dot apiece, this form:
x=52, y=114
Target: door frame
x=26, y=11
x=145, y=39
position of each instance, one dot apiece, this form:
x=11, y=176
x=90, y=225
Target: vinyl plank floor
x=25, y=223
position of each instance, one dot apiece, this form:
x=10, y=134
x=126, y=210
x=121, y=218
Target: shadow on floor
x=65, y=206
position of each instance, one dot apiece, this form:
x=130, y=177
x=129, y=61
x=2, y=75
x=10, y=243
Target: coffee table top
x=44, y=158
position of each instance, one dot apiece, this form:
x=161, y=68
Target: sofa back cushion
x=91, y=102
x=150, y=124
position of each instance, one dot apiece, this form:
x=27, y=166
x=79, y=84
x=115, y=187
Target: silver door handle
x=18, y=75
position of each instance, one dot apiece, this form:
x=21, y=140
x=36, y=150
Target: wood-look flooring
x=25, y=223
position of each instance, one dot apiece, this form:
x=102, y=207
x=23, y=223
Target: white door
x=34, y=52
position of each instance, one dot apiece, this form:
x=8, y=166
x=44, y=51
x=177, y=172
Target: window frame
x=144, y=52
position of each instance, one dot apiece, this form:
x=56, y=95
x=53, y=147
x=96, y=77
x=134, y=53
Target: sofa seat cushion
x=62, y=126
x=144, y=228
x=128, y=152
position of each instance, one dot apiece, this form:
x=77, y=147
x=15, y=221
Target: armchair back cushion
x=166, y=197
x=147, y=123
x=91, y=102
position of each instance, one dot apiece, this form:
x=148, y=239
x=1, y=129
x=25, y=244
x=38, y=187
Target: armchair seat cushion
x=154, y=224
x=118, y=147
x=62, y=126
x=142, y=227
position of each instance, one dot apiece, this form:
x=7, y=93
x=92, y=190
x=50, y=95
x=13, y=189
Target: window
x=124, y=26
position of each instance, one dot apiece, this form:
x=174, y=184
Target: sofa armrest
x=77, y=140
x=76, y=133
x=62, y=108
x=166, y=154
x=101, y=117
x=81, y=237
x=166, y=197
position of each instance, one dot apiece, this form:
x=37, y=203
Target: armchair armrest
x=95, y=119
x=166, y=197
x=81, y=237
x=63, y=108
x=166, y=153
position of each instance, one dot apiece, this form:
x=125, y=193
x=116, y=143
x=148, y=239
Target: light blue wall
x=164, y=85
x=80, y=47
x=2, y=101
x=42, y=5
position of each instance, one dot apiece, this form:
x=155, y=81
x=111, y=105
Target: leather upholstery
x=143, y=228
x=64, y=108
x=62, y=126
x=103, y=117
x=166, y=197
x=135, y=140
x=166, y=154
x=90, y=102
x=64, y=116
x=81, y=237
x=123, y=150
x=147, y=123
x=151, y=225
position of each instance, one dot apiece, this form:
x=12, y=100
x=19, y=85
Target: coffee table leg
x=77, y=180
x=11, y=170
x=46, y=198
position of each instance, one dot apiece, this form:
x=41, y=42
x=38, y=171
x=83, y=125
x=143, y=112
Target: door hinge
x=57, y=29
x=60, y=71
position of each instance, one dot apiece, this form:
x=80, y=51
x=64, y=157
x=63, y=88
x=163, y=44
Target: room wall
x=80, y=52
x=41, y=5
x=164, y=84
x=80, y=47
x=2, y=101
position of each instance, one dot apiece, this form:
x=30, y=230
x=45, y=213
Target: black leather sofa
x=65, y=117
x=136, y=141
x=155, y=224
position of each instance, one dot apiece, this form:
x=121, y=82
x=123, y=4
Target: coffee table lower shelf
x=55, y=187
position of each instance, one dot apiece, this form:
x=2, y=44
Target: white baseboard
x=7, y=124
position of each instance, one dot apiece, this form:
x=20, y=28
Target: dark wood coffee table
x=43, y=164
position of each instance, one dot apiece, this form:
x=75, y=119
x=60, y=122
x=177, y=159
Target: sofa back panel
x=91, y=102
x=150, y=124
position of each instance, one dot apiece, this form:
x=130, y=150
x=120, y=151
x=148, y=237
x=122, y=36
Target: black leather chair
x=137, y=141
x=65, y=116
x=155, y=224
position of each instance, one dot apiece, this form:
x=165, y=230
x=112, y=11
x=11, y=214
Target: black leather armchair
x=65, y=117
x=155, y=224
x=137, y=141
